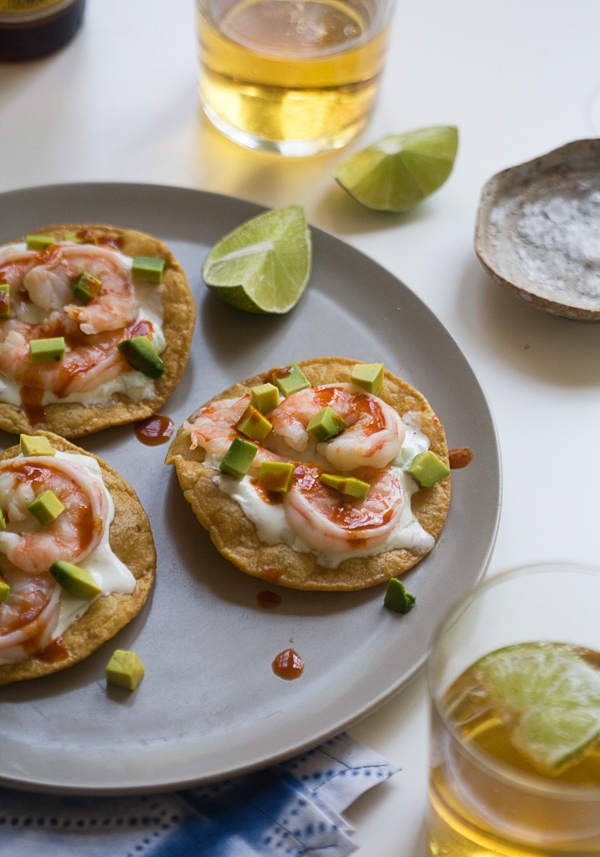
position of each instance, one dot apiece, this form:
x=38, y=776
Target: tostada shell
x=132, y=541
x=71, y=419
x=235, y=536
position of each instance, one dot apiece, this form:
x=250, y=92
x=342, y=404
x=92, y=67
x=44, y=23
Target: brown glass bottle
x=35, y=28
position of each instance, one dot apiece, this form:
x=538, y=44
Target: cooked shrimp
x=29, y=615
x=47, y=289
x=90, y=367
x=31, y=546
x=96, y=361
x=213, y=429
x=14, y=347
x=15, y=262
x=330, y=521
x=373, y=438
x=49, y=285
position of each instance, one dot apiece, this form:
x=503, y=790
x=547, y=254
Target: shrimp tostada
x=96, y=324
x=326, y=474
x=77, y=556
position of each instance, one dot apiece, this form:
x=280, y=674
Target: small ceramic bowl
x=538, y=230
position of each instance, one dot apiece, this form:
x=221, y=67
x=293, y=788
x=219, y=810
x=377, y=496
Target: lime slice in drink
x=264, y=265
x=399, y=171
x=548, y=696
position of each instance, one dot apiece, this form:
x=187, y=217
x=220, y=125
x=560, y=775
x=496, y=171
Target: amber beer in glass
x=291, y=77
x=486, y=798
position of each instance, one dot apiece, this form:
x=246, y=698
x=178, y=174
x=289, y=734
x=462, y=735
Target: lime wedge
x=264, y=265
x=399, y=171
x=549, y=696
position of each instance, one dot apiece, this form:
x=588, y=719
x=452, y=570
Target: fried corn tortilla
x=131, y=540
x=72, y=419
x=235, y=536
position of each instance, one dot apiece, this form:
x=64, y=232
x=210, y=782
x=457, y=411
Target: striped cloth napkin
x=288, y=810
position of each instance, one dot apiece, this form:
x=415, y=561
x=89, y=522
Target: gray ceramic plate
x=209, y=705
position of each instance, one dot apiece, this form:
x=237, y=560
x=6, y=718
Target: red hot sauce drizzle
x=31, y=405
x=282, y=372
x=155, y=430
x=270, y=573
x=288, y=665
x=87, y=236
x=268, y=600
x=54, y=652
x=460, y=457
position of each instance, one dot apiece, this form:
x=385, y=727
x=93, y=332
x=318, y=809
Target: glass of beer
x=514, y=677
x=294, y=77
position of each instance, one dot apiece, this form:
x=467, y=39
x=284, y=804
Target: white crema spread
x=273, y=528
x=134, y=384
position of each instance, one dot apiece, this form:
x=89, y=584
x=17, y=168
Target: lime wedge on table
x=550, y=695
x=399, y=171
x=264, y=265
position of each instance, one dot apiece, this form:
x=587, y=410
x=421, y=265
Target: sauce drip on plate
x=288, y=665
x=154, y=430
x=268, y=600
x=460, y=457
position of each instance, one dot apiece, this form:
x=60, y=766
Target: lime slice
x=399, y=171
x=262, y=266
x=549, y=697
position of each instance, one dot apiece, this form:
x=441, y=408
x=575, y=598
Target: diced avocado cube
x=238, y=458
x=46, y=507
x=148, y=269
x=397, y=598
x=40, y=242
x=253, y=424
x=44, y=350
x=346, y=484
x=35, y=445
x=124, y=669
x=142, y=355
x=4, y=591
x=78, y=581
x=275, y=475
x=264, y=397
x=427, y=469
x=86, y=287
x=369, y=376
x=2, y=520
x=326, y=424
x=4, y=300
x=290, y=379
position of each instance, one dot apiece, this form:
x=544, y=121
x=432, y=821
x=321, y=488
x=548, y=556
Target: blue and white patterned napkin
x=287, y=810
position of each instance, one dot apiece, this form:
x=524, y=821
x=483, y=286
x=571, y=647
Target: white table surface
x=519, y=78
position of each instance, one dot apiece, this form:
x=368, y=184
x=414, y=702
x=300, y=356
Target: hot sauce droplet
x=268, y=600
x=288, y=665
x=460, y=457
x=31, y=403
x=54, y=652
x=155, y=430
x=270, y=574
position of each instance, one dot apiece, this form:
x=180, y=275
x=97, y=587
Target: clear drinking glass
x=291, y=76
x=497, y=788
